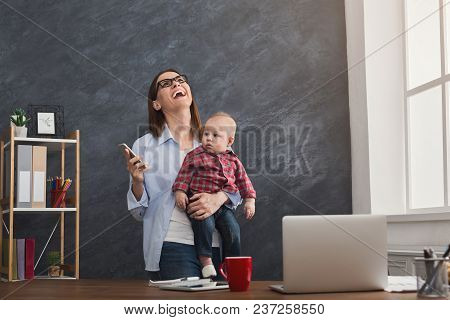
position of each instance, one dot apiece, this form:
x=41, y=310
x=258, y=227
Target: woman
x=174, y=126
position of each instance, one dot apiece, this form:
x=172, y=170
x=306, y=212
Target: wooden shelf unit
x=8, y=140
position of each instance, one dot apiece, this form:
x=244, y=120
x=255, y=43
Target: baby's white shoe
x=209, y=271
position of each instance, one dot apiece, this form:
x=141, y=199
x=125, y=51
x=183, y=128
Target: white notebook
x=189, y=284
x=199, y=286
x=401, y=284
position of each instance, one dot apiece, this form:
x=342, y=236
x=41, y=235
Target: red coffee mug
x=237, y=271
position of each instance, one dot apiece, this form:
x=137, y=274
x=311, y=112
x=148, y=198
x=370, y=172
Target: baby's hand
x=181, y=199
x=249, y=208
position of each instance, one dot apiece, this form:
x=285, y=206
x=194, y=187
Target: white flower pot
x=20, y=132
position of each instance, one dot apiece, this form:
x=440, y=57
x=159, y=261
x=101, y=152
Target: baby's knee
x=233, y=237
x=206, y=224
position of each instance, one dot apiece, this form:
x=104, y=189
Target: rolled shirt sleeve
x=137, y=208
x=235, y=199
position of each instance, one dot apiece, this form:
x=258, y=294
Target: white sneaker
x=209, y=271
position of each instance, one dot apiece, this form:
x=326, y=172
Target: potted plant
x=18, y=121
x=54, y=262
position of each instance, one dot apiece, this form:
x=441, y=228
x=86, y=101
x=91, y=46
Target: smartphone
x=124, y=146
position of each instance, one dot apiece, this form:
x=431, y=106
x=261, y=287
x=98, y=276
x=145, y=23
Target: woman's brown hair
x=156, y=119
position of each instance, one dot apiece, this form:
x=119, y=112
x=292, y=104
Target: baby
x=210, y=168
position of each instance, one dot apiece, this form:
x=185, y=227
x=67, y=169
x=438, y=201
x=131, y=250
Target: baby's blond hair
x=221, y=114
x=230, y=129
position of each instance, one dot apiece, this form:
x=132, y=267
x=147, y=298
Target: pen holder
x=58, y=198
x=432, y=277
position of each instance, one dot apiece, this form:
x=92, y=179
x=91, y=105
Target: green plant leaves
x=19, y=117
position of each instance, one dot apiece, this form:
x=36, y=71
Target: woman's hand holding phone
x=135, y=166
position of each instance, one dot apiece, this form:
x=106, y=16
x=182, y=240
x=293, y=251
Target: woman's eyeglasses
x=168, y=82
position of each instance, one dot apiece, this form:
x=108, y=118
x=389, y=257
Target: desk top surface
x=112, y=289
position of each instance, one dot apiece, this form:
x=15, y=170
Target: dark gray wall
x=274, y=65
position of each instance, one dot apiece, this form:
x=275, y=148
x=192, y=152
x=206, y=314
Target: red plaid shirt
x=205, y=172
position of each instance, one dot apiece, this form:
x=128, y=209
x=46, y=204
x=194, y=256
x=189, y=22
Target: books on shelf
x=14, y=256
x=29, y=258
x=5, y=256
x=23, y=258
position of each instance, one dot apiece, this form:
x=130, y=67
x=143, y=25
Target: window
x=427, y=62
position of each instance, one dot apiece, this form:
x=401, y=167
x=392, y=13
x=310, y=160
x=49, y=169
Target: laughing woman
x=174, y=125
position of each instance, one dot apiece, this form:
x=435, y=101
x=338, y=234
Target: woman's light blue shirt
x=155, y=207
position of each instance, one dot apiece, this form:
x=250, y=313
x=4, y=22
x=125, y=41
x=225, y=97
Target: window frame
x=441, y=81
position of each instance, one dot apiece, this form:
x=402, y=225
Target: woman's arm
x=138, y=189
x=137, y=197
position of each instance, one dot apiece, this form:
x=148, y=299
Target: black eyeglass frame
x=177, y=78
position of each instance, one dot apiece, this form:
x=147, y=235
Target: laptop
x=334, y=253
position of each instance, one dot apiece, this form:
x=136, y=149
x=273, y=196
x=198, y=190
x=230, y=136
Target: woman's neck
x=180, y=126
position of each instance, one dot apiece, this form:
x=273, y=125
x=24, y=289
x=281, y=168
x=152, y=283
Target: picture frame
x=47, y=121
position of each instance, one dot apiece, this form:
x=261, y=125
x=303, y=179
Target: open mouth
x=178, y=94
